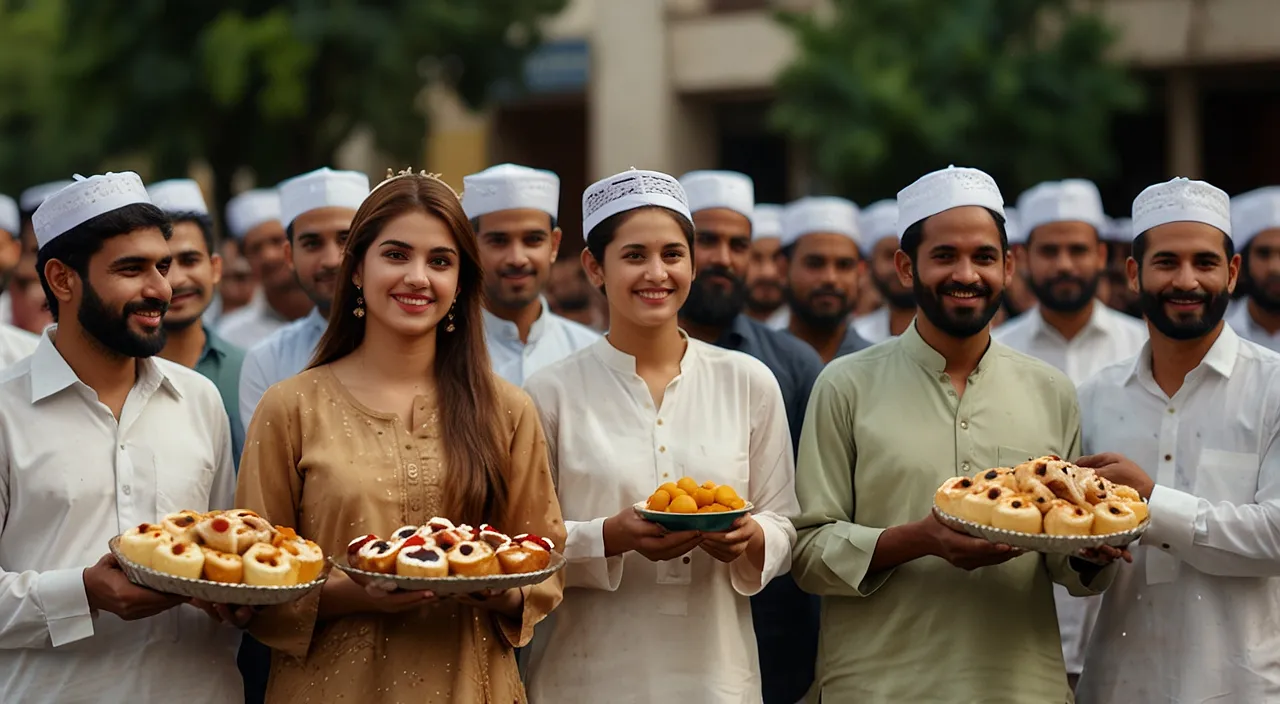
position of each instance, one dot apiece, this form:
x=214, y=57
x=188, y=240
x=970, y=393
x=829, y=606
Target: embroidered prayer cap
x=720, y=189
x=814, y=214
x=1254, y=212
x=952, y=187
x=1013, y=229
x=508, y=187
x=879, y=220
x=1181, y=200
x=629, y=190
x=251, y=209
x=1118, y=230
x=10, y=220
x=322, y=188
x=85, y=199
x=766, y=221
x=1070, y=200
x=34, y=196
x=179, y=195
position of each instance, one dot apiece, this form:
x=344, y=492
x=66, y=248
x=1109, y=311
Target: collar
x=738, y=332
x=620, y=361
x=51, y=374
x=1221, y=357
x=317, y=320
x=506, y=330
x=1100, y=320
x=214, y=346
x=930, y=359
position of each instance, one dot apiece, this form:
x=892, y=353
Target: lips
x=656, y=295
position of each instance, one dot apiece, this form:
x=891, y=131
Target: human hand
x=730, y=545
x=107, y=588
x=237, y=616
x=1120, y=470
x=963, y=550
x=629, y=531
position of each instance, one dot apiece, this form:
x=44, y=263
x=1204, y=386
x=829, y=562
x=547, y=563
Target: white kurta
x=283, y=354
x=1107, y=338
x=70, y=478
x=631, y=630
x=247, y=326
x=551, y=339
x=874, y=326
x=1196, y=618
x=1242, y=322
x=15, y=343
x=780, y=319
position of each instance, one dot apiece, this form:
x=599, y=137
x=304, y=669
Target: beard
x=966, y=324
x=112, y=331
x=804, y=310
x=709, y=304
x=172, y=324
x=497, y=291
x=765, y=296
x=896, y=298
x=1188, y=327
x=1050, y=298
x=1261, y=293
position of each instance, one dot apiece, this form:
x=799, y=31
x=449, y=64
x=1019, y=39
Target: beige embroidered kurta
x=317, y=460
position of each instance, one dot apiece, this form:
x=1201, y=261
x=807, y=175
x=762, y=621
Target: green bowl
x=705, y=522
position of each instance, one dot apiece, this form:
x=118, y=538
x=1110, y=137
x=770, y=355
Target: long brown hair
x=468, y=398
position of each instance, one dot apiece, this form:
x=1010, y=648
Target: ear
x=1010, y=266
x=595, y=271
x=63, y=282
x=215, y=263
x=357, y=277
x=556, y=235
x=288, y=252
x=1131, y=269
x=1233, y=273
x=906, y=270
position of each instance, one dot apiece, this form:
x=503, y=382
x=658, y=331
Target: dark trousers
x=254, y=660
x=786, y=625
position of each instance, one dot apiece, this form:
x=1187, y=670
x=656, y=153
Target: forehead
x=968, y=227
x=827, y=244
x=265, y=231
x=516, y=220
x=146, y=243
x=418, y=229
x=329, y=219
x=722, y=221
x=766, y=245
x=187, y=237
x=649, y=227
x=1267, y=238
x=1064, y=233
x=1185, y=239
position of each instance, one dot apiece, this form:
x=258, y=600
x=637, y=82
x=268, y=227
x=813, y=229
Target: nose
x=713, y=254
x=415, y=274
x=519, y=256
x=157, y=286
x=331, y=256
x=656, y=270
x=965, y=272
x=1186, y=278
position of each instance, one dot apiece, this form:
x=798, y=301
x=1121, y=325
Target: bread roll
x=222, y=566
x=404, y=533
x=472, y=558
x=268, y=566
x=977, y=505
x=1066, y=518
x=179, y=559
x=422, y=561
x=1000, y=476
x=1124, y=493
x=492, y=536
x=1113, y=517
x=139, y=543
x=222, y=533
x=353, y=551
x=308, y=559
x=1139, y=509
x=379, y=556
x=1016, y=512
x=949, y=494
x=182, y=525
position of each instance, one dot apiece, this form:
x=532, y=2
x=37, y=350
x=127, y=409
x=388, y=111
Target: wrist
x=612, y=537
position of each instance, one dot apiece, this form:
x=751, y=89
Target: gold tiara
x=408, y=172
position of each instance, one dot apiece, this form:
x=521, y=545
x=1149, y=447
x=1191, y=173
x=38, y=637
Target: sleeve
x=253, y=384
x=833, y=553
x=1223, y=539
x=532, y=507
x=39, y=609
x=772, y=486
x=271, y=484
x=587, y=565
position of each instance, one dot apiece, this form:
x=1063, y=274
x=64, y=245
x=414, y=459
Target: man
x=97, y=436
x=15, y=343
x=1018, y=298
x=317, y=209
x=1255, y=219
x=913, y=611
x=1070, y=329
x=570, y=295
x=879, y=226
x=513, y=212
x=22, y=303
x=253, y=217
x=193, y=275
x=722, y=204
x=820, y=244
x=766, y=280
x=237, y=287
x=1193, y=423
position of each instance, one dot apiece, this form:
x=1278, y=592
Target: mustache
x=325, y=276
x=979, y=289
x=829, y=291
x=194, y=290
x=516, y=271
x=1065, y=279
x=719, y=270
x=146, y=305
x=1185, y=296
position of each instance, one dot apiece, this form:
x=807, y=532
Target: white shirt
x=630, y=630
x=71, y=477
x=15, y=343
x=780, y=319
x=6, y=308
x=874, y=326
x=1108, y=337
x=247, y=326
x=551, y=338
x=1242, y=322
x=1196, y=617
x=282, y=355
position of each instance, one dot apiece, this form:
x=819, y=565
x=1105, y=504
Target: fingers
x=1101, y=459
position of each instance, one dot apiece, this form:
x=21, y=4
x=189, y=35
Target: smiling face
x=193, y=276
x=960, y=271
x=1065, y=261
x=316, y=250
x=646, y=270
x=884, y=274
x=824, y=275
x=1185, y=279
x=1264, y=270
x=766, y=282
x=722, y=253
x=517, y=248
x=409, y=275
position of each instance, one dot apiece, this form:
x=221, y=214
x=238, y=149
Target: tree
x=884, y=91
x=274, y=86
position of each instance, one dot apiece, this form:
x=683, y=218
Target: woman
x=399, y=419
x=658, y=616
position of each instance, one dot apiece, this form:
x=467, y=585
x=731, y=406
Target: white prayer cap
x=179, y=195
x=34, y=196
x=85, y=199
x=1181, y=200
x=10, y=221
x=508, y=187
x=250, y=209
x=879, y=220
x=1254, y=212
x=720, y=189
x=948, y=188
x=322, y=188
x=1118, y=230
x=819, y=214
x=1071, y=200
x=766, y=221
x=1013, y=229
x=629, y=190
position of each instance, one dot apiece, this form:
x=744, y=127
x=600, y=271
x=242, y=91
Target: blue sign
x=558, y=67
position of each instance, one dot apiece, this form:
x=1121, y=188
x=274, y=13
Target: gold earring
x=450, y=327
x=359, y=311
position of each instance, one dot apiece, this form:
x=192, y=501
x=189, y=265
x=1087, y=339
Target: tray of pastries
x=1045, y=505
x=450, y=559
x=688, y=505
x=225, y=557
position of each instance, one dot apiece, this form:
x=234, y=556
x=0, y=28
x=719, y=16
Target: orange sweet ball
x=683, y=504
x=659, y=501
x=703, y=497
x=725, y=494
x=688, y=484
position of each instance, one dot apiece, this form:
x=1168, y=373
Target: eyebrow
x=521, y=233
x=1201, y=253
x=139, y=261
x=640, y=247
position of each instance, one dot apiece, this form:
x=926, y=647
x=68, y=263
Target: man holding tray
x=913, y=611
x=97, y=436
x=1192, y=423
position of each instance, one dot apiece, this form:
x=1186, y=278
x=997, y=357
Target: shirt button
x=1165, y=546
x=121, y=446
x=126, y=489
x=659, y=421
x=1168, y=458
x=1171, y=411
x=685, y=560
x=964, y=425
x=964, y=466
x=665, y=475
x=662, y=448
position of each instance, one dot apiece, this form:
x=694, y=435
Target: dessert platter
x=1046, y=505
x=450, y=559
x=224, y=557
x=688, y=505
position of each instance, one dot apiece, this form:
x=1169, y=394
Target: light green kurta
x=884, y=429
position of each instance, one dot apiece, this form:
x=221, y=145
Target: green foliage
x=275, y=86
x=888, y=90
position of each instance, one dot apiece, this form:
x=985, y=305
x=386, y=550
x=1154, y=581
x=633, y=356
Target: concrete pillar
x=630, y=106
x=1186, y=145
